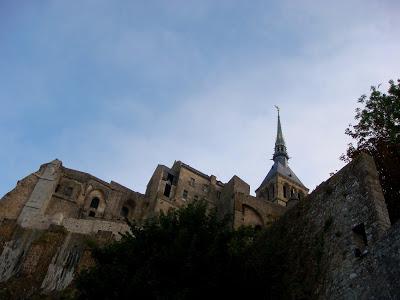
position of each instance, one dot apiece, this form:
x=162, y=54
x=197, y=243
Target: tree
x=185, y=254
x=378, y=134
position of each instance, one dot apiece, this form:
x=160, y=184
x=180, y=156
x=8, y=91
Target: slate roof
x=282, y=170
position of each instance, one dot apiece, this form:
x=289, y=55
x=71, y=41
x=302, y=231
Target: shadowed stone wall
x=335, y=244
x=326, y=239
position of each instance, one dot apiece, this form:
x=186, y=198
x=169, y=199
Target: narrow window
x=170, y=178
x=284, y=192
x=218, y=195
x=68, y=191
x=92, y=214
x=58, y=188
x=124, y=211
x=360, y=240
x=167, y=190
x=205, y=188
x=185, y=194
x=95, y=203
x=299, y=196
x=191, y=181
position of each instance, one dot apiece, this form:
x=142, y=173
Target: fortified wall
x=337, y=243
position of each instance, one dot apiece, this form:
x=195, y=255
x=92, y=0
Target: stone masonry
x=338, y=242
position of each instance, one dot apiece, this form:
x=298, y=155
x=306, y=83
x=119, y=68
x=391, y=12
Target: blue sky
x=115, y=87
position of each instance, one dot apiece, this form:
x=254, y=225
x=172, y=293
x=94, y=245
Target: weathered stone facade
x=47, y=218
x=337, y=241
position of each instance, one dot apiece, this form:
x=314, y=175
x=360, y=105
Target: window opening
x=185, y=194
x=92, y=214
x=167, y=190
x=124, y=211
x=170, y=178
x=95, y=203
x=284, y=192
x=218, y=195
x=196, y=197
x=191, y=181
x=68, y=191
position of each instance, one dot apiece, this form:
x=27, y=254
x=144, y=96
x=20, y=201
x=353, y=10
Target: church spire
x=280, y=154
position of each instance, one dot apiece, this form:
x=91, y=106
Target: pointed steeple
x=280, y=154
x=281, y=184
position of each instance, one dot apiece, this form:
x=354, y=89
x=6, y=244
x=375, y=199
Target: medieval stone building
x=83, y=203
x=47, y=219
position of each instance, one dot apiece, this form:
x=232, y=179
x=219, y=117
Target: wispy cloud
x=115, y=89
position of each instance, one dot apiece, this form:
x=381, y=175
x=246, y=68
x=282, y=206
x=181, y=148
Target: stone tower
x=281, y=184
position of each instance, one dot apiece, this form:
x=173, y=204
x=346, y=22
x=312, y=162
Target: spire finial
x=277, y=108
x=280, y=153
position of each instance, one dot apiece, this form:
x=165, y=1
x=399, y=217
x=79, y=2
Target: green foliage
x=378, y=134
x=190, y=254
x=185, y=254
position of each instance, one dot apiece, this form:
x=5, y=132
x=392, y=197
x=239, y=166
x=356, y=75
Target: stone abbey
x=83, y=203
x=47, y=218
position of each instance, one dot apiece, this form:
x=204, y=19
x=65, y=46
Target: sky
x=114, y=88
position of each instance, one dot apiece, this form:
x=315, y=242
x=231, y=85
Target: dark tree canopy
x=184, y=254
x=378, y=133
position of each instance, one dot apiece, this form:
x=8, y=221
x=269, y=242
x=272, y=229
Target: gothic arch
x=95, y=203
x=251, y=216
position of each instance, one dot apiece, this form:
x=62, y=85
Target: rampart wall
x=326, y=240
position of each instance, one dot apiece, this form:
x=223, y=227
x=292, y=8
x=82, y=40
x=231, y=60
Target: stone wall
x=249, y=210
x=376, y=275
x=43, y=261
x=55, y=193
x=12, y=203
x=324, y=238
x=334, y=244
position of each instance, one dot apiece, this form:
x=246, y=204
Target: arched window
x=124, y=211
x=95, y=203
